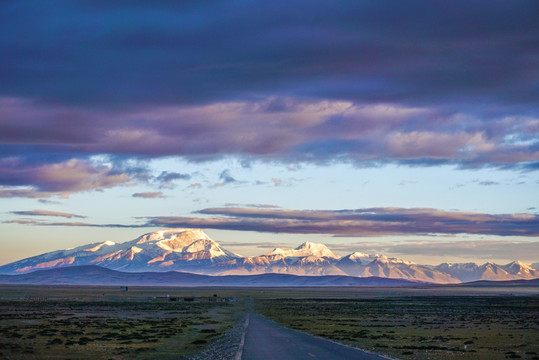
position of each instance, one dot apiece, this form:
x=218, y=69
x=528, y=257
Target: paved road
x=264, y=339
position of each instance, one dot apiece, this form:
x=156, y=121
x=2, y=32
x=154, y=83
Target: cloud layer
x=348, y=223
x=212, y=50
x=295, y=130
x=415, y=83
x=359, y=222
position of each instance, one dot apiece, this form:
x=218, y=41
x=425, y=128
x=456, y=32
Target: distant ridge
x=96, y=275
x=508, y=283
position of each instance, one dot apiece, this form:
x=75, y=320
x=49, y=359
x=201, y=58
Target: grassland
x=423, y=322
x=480, y=327
x=143, y=293
x=67, y=329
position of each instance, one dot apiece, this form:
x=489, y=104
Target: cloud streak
x=359, y=222
x=149, y=195
x=71, y=224
x=47, y=213
x=368, y=222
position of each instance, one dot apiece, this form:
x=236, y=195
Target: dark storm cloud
x=371, y=82
x=359, y=222
x=77, y=52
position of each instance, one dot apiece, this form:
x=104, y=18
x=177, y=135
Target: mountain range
x=96, y=275
x=192, y=251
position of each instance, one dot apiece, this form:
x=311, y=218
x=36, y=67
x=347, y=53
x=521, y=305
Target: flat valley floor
x=424, y=322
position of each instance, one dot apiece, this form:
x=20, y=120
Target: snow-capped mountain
x=363, y=265
x=191, y=250
x=471, y=272
x=164, y=250
x=307, y=259
x=305, y=250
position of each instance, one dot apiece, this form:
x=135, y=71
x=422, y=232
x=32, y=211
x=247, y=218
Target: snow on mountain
x=519, y=268
x=192, y=250
x=99, y=246
x=472, y=272
x=171, y=249
x=357, y=258
x=363, y=265
x=307, y=259
x=304, y=250
x=74, y=256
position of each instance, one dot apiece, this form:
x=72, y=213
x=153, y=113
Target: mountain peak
x=517, y=267
x=310, y=245
x=306, y=249
x=519, y=263
x=100, y=246
x=316, y=249
x=357, y=255
x=168, y=234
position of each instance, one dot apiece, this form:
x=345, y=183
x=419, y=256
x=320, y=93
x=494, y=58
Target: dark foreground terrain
x=37, y=329
x=436, y=322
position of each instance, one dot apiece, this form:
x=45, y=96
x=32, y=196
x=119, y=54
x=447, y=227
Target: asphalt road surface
x=265, y=339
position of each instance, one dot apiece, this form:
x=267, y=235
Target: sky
x=407, y=128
